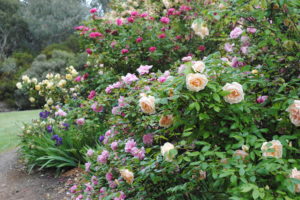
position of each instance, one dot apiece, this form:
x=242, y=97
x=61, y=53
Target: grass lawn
x=10, y=126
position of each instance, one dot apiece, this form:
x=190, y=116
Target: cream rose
x=127, y=175
x=147, y=104
x=236, y=92
x=166, y=121
x=294, y=111
x=296, y=174
x=37, y=87
x=19, y=85
x=196, y=82
x=31, y=99
x=275, y=146
x=165, y=149
x=199, y=66
x=200, y=29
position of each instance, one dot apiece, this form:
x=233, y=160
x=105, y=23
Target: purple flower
x=144, y=69
x=236, y=32
x=66, y=125
x=49, y=129
x=57, y=139
x=101, y=138
x=261, y=99
x=44, y=114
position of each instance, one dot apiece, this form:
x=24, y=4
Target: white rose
x=147, y=104
x=199, y=66
x=62, y=83
x=34, y=80
x=165, y=149
x=19, y=85
x=296, y=174
x=236, y=92
x=50, y=101
x=196, y=82
x=275, y=146
x=294, y=111
x=200, y=29
x=127, y=175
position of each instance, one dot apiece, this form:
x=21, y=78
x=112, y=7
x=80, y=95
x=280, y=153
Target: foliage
x=216, y=118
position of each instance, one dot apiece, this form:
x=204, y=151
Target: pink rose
x=114, y=145
x=161, y=36
x=92, y=94
x=124, y=51
x=152, y=49
x=130, y=19
x=89, y=51
x=93, y=10
x=144, y=69
x=129, y=78
x=95, y=34
x=251, y=30
x=80, y=121
x=261, y=99
x=228, y=47
x=119, y=22
x=165, y=20
x=139, y=39
x=236, y=32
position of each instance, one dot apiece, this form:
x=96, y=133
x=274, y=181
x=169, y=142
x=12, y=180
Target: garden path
x=17, y=184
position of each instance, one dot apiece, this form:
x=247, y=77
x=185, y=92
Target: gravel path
x=17, y=184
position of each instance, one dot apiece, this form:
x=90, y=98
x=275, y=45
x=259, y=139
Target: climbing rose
x=294, y=112
x=196, y=82
x=144, y=69
x=127, y=175
x=275, y=146
x=165, y=149
x=236, y=92
x=236, y=32
x=198, y=66
x=147, y=104
x=166, y=121
x=165, y=20
x=296, y=175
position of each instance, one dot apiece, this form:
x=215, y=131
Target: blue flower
x=101, y=138
x=44, y=114
x=57, y=139
x=49, y=129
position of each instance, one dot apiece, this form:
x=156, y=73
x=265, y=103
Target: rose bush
x=216, y=118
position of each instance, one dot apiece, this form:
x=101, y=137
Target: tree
x=52, y=21
x=13, y=29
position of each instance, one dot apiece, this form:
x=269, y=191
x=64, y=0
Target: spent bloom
x=148, y=138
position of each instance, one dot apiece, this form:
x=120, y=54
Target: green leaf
x=255, y=194
x=216, y=97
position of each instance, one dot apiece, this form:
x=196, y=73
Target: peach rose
x=275, y=146
x=196, y=82
x=236, y=92
x=166, y=121
x=199, y=66
x=127, y=175
x=241, y=153
x=296, y=174
x=294, y=111
x=147, y=104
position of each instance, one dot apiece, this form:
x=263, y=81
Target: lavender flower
x=49, y=129
x=44, y=114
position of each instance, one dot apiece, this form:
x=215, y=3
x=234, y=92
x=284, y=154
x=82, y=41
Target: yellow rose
x=236, y=92
x=147, y=104
x=275, y=146
x=37, y=87
x=196, y=82
x=166, y=121
x=127, y=175
x=69, y=77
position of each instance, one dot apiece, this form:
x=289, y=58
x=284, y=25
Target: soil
x=17, y=184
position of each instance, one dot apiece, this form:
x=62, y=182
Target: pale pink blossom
x=61, y=113
x=103, y=157
x=129, y=78
x=228, y=47
x=114, y=145
x=251, y=30
x=80, y=121
x=236, y=32
x=130, y=144
x=144, y=69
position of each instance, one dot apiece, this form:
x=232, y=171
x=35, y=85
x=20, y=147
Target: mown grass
x=10, y=127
